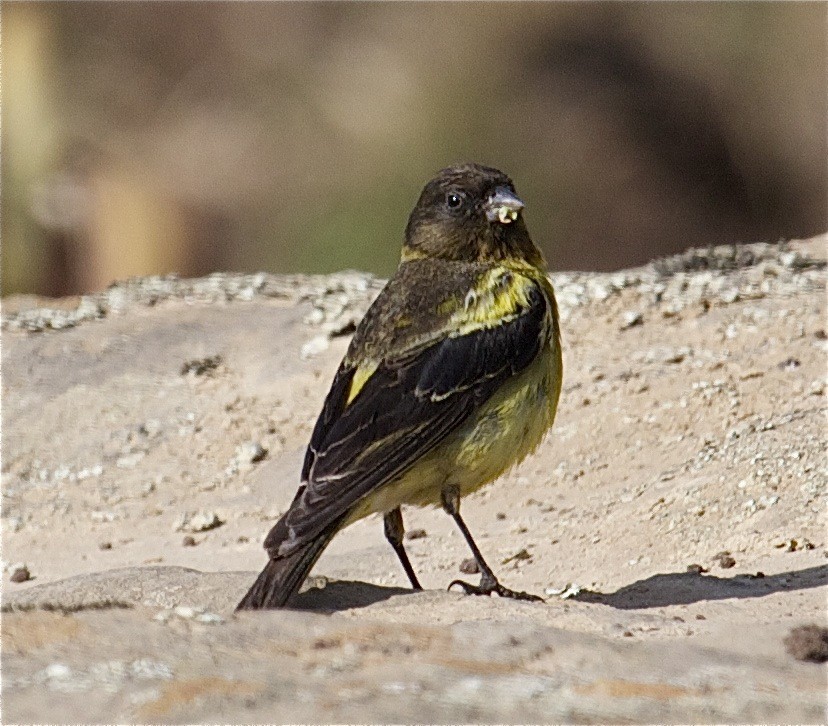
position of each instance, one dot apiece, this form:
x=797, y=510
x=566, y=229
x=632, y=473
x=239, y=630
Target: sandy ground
x=674, y=518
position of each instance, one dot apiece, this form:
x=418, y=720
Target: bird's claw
x=487, y=588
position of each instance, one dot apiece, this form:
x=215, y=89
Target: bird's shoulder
x=428, y=300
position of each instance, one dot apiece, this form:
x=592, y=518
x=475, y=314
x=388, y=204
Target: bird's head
x=469, y=213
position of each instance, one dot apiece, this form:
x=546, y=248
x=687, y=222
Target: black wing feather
x=406, y=408
x=332, y=409
x=467, y=360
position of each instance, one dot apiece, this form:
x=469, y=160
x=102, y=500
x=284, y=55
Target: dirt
x=674, y=518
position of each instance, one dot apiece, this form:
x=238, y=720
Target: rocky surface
x=674, y=518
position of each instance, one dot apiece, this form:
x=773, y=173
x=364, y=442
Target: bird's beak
x=503, y=206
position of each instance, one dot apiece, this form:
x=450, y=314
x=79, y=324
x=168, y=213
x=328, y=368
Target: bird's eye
x=453, y=200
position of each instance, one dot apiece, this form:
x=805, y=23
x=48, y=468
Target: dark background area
x=190, y=137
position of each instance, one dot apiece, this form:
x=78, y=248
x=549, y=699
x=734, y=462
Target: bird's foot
x=487, y=587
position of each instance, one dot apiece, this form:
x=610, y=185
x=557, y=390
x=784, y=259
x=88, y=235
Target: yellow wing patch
x=496, y=298
x=361, y=376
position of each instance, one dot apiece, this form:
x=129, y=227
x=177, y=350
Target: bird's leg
x=394, y=531
x=488, y=581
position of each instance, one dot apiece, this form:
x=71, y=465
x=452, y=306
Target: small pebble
x=250, y=453
x=789, y=364
x=725, y=560
x=201, y=366
x=677, y=356
x=150, y=428
x=469, y=566
x=187, y=612
x=58, y=672
x=105, y=546
x=416, y=534
x=630, y=319
x=188, y=541
x=98, y=516
x=570, y=590
x=20, y=573
x=697, y=569
x=500, y=515
x=130, y=461
x=199, y=522
x=808, y=643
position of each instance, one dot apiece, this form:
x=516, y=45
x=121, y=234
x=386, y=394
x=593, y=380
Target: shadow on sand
x=683, y=588
x=344, y=595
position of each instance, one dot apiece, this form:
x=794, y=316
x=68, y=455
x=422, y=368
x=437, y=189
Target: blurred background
x=147, y=138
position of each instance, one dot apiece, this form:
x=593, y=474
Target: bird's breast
x=511, y=424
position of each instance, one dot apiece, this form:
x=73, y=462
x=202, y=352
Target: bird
x=452, y=377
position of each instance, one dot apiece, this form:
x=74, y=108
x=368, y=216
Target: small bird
x=452, y=376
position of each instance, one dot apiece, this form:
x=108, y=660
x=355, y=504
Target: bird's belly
x=507, y=428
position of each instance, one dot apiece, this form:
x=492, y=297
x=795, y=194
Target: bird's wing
x=380, y=418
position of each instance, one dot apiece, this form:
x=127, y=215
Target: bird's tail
x=283, y=575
